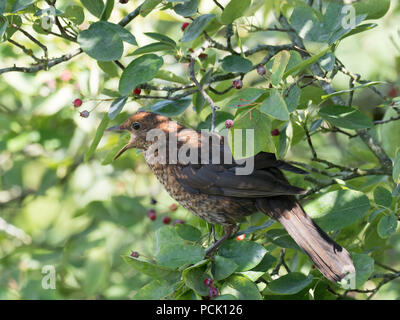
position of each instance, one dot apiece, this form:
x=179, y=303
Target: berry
x=153, y=201
x=123, y=1
x=135, y=254
x=190, y=50
x=166, y=220
x=241, y=237
x=393, y=93
x=137, y=91
x=261, y=70
x=178, y=221
x=238, y=84
x=151, y=214
x=275, y=132
x=84, y=114
x=213, y=292
x=203, y=56
x=77, y=103
x=313, y=267
x=208, y=282
x=173, y=207
x=229, y=123
x=184, y=25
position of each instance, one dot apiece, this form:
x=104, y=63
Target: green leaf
x=172, y=251
x=107, y=10
x=148, y=6
x=258, y=271
x=116, y=107
x=223, y=267
x=292, y=99
x=305, y=64
x=97, y=266
x=97, y=137
x=290, y=283
x=160, y=37
x=275, y=106
x=95, y=7
x=122, y=32
x=3, y=27
x=281, y=238
x=245, y=97
x=236, y=63
x=140, y=70
x=389, y=133
x=246, y=254
x=365, y=85
x=155, y=290
x=374, y=9
x=364, y=266
x=21, y=5
x=171, y=108
x=152, y=270
x=338, y=209
x=196, y=27
x=387, y=226
x=194, y=278
x=75, y=14
x=306, y=22
x=233, y=10
x=101, y=42
x=260, y=124
x=179, y=254
x=278, y=68
x=187, y=9
x=396, y=168
x=383, y=197
x=170, y=76
x=241, y=287
x=152, y=47
x=346, y=117
x=188, y=232
x=109, y=68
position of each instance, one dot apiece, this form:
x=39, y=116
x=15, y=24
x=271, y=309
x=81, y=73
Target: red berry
x=151, y=214
x=229, y=123
x=393, y=93
x=123, y=1
x=137, y=91
x=275, y=132
x=77, y=103
x=312, y=267
x=173, y=207
x=208, y=282
x=203, y=56
x=241, y=237
x=213, y=292
x=184, y=25
x=84, y=114
x=178, y=221
x=261, y=70
x=135, y=254
x=166, y=220
x=238, y=84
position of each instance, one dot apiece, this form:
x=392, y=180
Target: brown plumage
x=216, y=194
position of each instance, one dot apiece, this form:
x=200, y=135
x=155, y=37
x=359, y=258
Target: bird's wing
x=219, y=179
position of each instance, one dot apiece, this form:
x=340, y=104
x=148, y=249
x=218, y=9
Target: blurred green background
x=79, y=217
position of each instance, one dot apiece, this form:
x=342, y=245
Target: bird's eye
x=136, y=126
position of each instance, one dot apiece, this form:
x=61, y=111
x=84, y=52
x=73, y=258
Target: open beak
x=127, y=146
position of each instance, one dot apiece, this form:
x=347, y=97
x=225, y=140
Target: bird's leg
x=229, y=232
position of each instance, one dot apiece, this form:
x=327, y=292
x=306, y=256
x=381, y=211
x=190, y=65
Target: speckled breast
x=213, y=209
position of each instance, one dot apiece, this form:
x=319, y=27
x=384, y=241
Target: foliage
x=65, y=203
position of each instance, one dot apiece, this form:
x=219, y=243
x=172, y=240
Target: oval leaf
x=346, y=117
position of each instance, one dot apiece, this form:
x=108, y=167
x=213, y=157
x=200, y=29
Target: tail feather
x=331, y=259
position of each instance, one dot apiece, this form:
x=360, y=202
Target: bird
x=207, y=184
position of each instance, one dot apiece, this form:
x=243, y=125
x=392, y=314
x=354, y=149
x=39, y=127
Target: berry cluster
x=212, y=291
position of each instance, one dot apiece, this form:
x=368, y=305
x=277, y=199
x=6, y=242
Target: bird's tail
x=331, y=259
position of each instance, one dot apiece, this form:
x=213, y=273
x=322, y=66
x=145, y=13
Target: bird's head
x=139, y=126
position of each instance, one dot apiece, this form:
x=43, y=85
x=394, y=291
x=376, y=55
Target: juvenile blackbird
x=214, y=192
